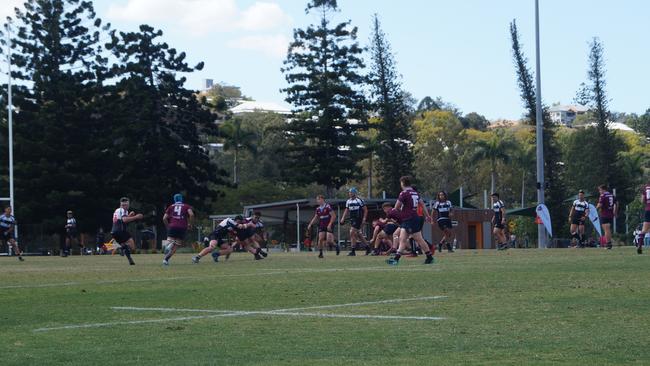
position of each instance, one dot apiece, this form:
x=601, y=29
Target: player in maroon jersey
x=411, y=205
x=385, y=228
x=246, y=237
x=607, y=208
x=326, y=218
x=642, y=237
x=177, y=218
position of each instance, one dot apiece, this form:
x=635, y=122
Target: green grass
x=519, y=307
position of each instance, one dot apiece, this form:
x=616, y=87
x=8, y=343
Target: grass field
x=556, y=306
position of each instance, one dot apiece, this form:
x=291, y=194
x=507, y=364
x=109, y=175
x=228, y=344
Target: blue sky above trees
x=459, y=50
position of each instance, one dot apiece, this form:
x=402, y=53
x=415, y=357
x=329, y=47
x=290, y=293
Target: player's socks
x=429, y=259
x=196, y=259
x=338, y=249
x=352, y=252
x=609, y=245
x=320, y=253
x=20, y=258
x=127, y=252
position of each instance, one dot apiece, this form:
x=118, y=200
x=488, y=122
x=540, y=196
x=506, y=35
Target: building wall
x=477, y=223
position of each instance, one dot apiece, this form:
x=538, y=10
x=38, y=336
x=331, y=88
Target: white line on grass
x=252, y=274
x=294, y=312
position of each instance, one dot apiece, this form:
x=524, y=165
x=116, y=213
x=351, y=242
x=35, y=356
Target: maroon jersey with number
x=324, y=214
x=646, y=197
x=178, y=215
x=410, y=199
x=606, y=201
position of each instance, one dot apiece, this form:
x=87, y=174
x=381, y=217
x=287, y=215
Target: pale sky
x=459, y=50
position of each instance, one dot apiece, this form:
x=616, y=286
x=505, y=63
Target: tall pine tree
x=555, y=191
x=323, y=70
x=393, y=150
x=58, y=59
x=158, y=124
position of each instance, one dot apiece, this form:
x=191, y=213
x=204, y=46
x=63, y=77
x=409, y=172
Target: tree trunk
x=523, y=188
x=235, y=166
x=370, y=177
x=493, y=176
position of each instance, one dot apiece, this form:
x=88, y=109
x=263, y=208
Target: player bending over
x=245, y=237
x=387, y=228
x=218, y=239
x=177, y=218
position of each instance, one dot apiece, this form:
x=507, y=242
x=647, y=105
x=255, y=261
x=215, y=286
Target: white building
x=253, y=106
x=566, y=114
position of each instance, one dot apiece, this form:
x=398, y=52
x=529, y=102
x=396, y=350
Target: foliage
x=323, y=69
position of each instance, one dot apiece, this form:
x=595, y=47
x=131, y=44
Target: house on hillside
x=566, y=114
x=254, y=106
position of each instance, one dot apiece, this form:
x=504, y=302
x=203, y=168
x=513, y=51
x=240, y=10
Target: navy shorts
x=176, y=233
x=245, y=234
x=324, y=229
x=390, y=229
x=6, y=235
x=355, y=222
x=445, y=224
x=577, y=220
x=606, y=220
x=647, y=217
x=499, y=226
x=413, y=225
x=121, y=236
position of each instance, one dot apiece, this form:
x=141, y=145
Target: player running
x=499, y=221
x=642, y=238
x=326, y=218
x=607, y=208
x=177, y=219
x=443, y=208
x=577, y=216
x=121, y=217
x=409, y=204
x=358, y=215
x=7, y=224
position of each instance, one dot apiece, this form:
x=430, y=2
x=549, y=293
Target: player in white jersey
x=71, y=235
x=7, y=224
x=443, y=209
x=577, y=217
x=121, y=217
x=358, y=211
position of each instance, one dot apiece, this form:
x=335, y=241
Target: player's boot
x=20, y=258
x=263, y=253
x=609, y=246
x=258, y=257
x=165, y=263
x=196, y=259
x=392, y=261
x=215, y=256
x=440, y=247
x=639, y=249
x=368, y=250
x=352, y=253
x=320, y=255
x=429, y=260
x=449, y=248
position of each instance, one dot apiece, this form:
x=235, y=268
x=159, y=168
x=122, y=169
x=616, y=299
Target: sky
x=458, y=50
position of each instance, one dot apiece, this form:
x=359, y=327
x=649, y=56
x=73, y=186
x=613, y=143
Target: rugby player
x=358, y=211
x=499, y=221
x=121, y=217
x=177, y=219
x=7, y=224
x=642, y=238
x=326, y=217
x=577, y=216
x=606, y=207
x=409, y=203
x=443, y=208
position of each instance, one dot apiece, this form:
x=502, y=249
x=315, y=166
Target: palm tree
x=236, y=138
x=524, y=157
x=496, y=148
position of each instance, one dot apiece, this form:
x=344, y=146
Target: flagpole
x=10, y=123
x=539, y=135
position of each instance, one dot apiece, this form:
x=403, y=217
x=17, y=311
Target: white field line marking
x=177, y=310
x=252, y=274
x=277, y=312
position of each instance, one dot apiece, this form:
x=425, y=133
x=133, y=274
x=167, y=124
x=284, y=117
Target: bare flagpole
x=539, y=135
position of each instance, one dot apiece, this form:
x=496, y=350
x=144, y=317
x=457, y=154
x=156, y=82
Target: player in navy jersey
x=358, y=211
x=219, y=238
x=577, y=217
x=642, y=238
x=246, y=237
x=7, y=224
x=177, y=219
x=607, y=208
x=71, y=235
x=326, y=218
x=261, y=236
x=412, y=211
x=499, y=221
x=121, y=217
x=443, y=209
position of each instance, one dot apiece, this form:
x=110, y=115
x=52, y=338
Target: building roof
x=616, y=126
x=253, y=106
x=569, y=108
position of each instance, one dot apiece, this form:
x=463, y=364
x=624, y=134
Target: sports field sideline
x=517, y=307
